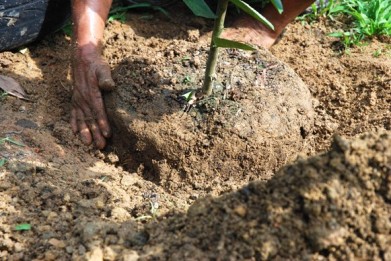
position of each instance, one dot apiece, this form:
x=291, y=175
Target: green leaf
x=278, y=5
x=200, y=8
x=336, y=34
x=2, y=162
x=23, y=227
x=14, y=142
x=251, y=11
x=225, y=43
x=188, y=95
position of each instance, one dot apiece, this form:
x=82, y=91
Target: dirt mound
x=332, y=206
x=257, y=120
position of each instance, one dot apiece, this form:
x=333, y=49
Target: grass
x=2, y=162
x=11, y=141
x=364, y=19
x=324, y=9
x=3, y=95
x=187, y=79
x=119, y=13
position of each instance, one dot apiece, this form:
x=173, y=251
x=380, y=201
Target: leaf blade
x=2, y=162
x=278, y=5
x=252, y=12
x=23, y=227
x=226, y=43
x=200, y=8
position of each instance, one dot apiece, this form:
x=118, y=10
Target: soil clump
x=257, y=120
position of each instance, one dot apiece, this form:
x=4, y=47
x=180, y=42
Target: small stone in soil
x=56, y=243
x=95, y=255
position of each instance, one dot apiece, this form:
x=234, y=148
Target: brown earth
x=241, y=133
x=132, y=200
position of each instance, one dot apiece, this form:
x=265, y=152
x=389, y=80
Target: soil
x=202, y=184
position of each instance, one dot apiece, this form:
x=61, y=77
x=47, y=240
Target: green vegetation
x=187, y=79
x=200, y=8
x=11, y=141
x=3, y=95
x=364, y=19
x=23, y=227
x=119, y=13
x=2, y=162
x=217, y=41
x=322, y=9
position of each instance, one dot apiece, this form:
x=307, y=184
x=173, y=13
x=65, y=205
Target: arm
x=91, y=74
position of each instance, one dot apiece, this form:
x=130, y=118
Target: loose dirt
x=175, y=185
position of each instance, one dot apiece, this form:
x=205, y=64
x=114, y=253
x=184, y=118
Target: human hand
x=91, y=74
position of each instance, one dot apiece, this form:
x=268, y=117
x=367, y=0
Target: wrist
x=87, y=49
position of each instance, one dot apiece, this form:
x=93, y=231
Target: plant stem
x=210, y=72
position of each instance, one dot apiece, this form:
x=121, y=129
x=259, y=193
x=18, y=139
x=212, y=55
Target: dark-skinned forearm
x=89, y=18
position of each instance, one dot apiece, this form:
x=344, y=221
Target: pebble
x=67, y=197
x=113, y=158
x=240, y=210
x=69, y=249
x=194, y=196
x=196, y=62
x=109, y=253
x=56, y=243
x=130, y=255
x=4, y=253
x=48, y=234
x=52, y=215
x=49, y=255
x=18, y=247
x=95, y=255
x=82, y=250
x=22, y=108
x=99, y=204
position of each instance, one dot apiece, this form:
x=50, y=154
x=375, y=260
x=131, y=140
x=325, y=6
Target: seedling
x=185, y=58
x=368, y=18
x=217, y=41
x=23, y=227
x=2, y=162
x=322, y=8
x=11, y=141
x=3, y=95
x=377, y=53
x=154, y=207
x=119, y=13
x=187, y=79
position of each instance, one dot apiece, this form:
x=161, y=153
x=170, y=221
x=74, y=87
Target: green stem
x=210, y=72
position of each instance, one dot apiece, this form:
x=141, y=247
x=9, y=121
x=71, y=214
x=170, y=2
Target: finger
x=99, y=140
x=100, y=111
x=105, y=81
x=82, y=126
x=74, y=121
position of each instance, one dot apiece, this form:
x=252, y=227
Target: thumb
x=105, y=81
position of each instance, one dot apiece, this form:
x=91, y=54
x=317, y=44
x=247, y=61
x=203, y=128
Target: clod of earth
x=256, y=122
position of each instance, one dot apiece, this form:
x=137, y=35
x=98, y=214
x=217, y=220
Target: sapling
x=218, y=42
